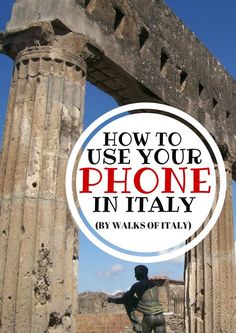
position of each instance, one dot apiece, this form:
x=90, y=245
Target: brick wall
x=119, y=323
x=103, y=323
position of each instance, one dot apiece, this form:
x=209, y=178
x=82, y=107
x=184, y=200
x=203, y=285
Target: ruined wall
x=119, y=323
x=96, y=314
x=176, y=299
x=103, y=323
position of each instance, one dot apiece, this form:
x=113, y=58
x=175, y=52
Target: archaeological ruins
x=93, y=307
x=134, y=52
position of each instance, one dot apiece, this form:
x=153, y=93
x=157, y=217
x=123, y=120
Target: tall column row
x=38, y=239
x=210, y=281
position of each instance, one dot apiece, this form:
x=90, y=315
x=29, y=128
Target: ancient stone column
x=210, y=276
x=38, y=239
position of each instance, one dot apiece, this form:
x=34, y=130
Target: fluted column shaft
x=210, y=276
x=38, y=240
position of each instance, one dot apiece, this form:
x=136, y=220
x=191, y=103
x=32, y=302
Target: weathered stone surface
x=210, y=276
x=136, y=53
x=38, y=239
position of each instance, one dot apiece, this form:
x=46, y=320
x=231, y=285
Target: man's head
x=141, y=272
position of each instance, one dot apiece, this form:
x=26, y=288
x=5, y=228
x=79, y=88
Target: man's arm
x=130, y=295
x=116, y=299
x=127, y=297
x=130, y=300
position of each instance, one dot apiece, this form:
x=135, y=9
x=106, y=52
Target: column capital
x=230, y=168
x=234, y=171
x=46, y=55
x=49, y=34
x=229, y=160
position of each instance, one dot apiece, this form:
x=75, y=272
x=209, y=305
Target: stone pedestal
x=210, y=276
x=38, y=239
